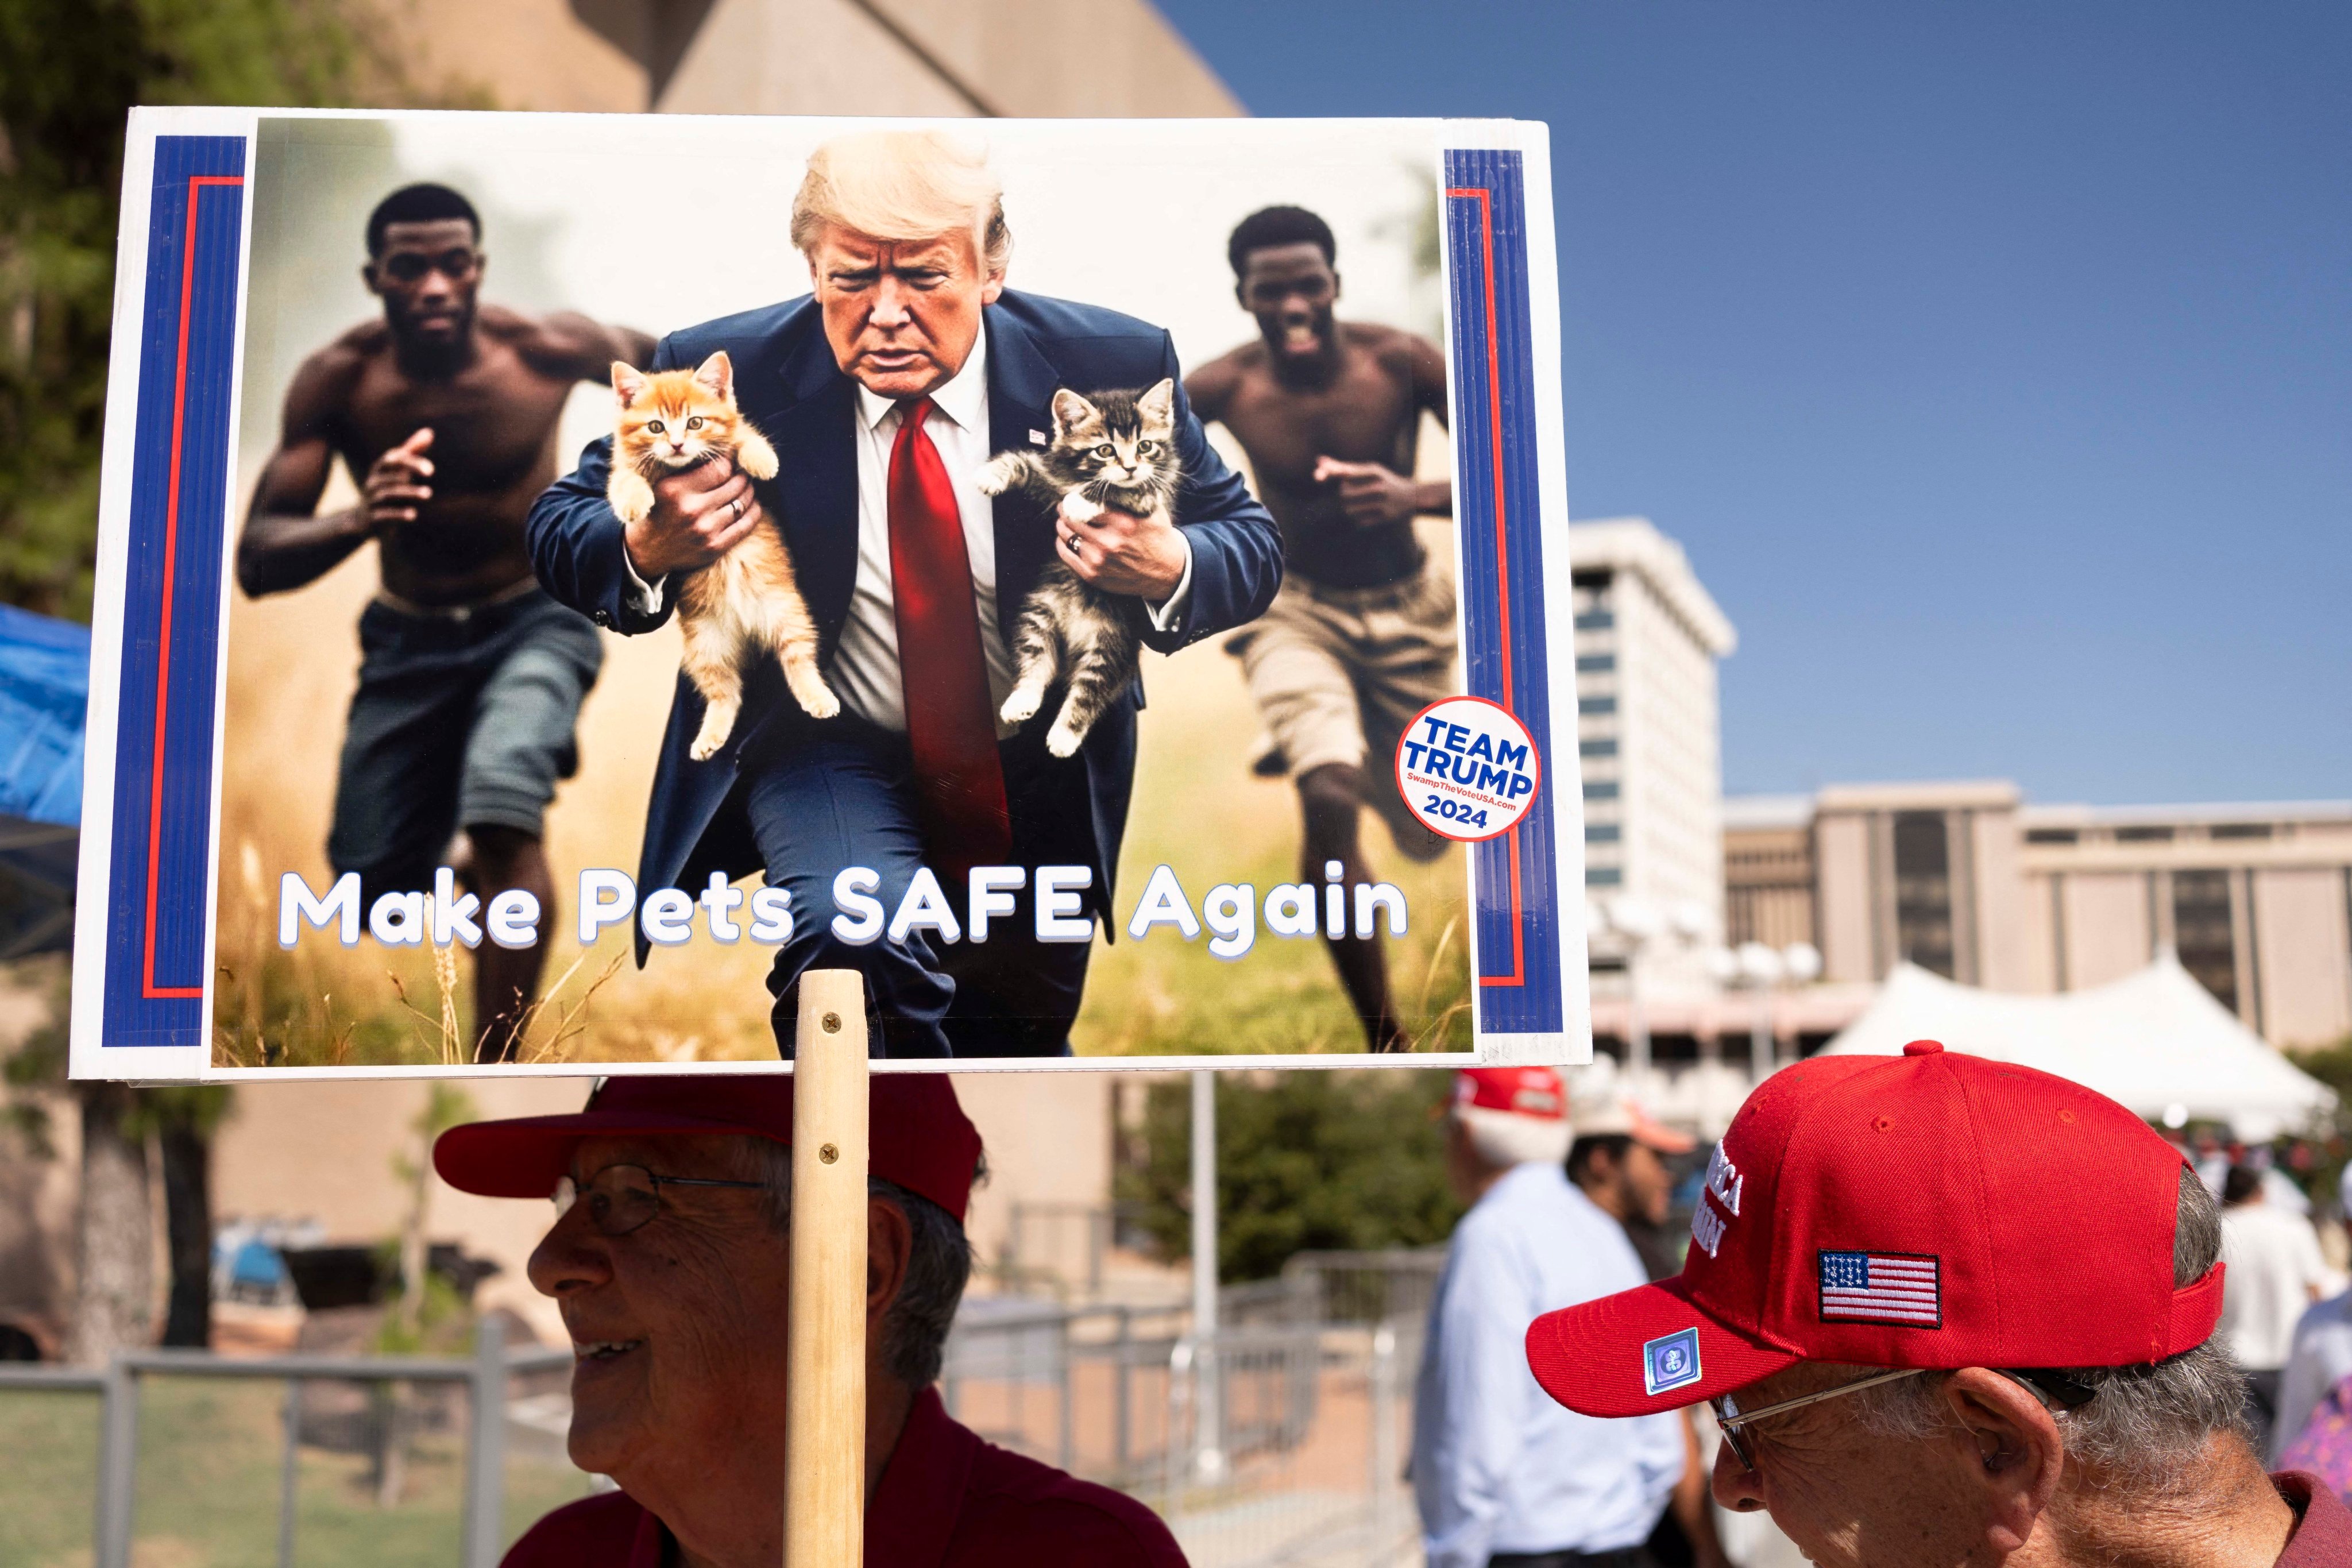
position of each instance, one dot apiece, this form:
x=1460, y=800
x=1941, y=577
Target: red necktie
x=950, y=728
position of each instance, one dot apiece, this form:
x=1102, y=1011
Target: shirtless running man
x=1362, y=636
x=470, y=677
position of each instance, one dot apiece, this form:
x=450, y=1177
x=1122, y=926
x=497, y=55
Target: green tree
x=114, y=1247
x=70, y=72
x=1305, y=1160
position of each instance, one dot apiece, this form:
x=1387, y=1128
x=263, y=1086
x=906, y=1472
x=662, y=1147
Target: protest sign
x=417, y=744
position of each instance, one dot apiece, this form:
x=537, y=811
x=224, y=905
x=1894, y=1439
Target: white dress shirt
x=863, y=668
x=2274, y=1269
x=1498, y=1465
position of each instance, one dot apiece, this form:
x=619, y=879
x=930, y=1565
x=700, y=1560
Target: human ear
x=890, y=1246
x=993, y=288
x=2017, y=1446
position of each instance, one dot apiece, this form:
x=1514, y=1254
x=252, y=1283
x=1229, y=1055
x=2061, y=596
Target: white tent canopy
x=2155, y=1041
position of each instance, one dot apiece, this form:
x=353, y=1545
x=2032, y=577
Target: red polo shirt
x=946, y=1500
x=2323, y=1534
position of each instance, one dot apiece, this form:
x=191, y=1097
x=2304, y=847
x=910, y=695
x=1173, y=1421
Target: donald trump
x=885, y=390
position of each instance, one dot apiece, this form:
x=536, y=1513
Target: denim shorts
x=459, y=722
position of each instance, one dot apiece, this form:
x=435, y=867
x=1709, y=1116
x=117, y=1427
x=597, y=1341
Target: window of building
x=1595, y=663
x=1601, y=789
x=1596, y=748
x=1596, y=620
x=2143, y=835
x=1602, y=831
x=1923, y=890
x=2052, y=836
x=1604, y=876
x=2201, y=936
x=1596, y=705
x=2242, y=830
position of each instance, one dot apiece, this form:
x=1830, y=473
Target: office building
x=1649, y=742
x=1968, y=880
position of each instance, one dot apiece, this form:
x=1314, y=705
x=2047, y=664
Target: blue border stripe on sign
x=1497, y=512
x=162, y=838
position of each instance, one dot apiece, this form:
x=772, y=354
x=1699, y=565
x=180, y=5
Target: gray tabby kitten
x=1116, y=451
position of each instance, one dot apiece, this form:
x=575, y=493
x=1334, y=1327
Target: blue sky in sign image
x=1993, y=361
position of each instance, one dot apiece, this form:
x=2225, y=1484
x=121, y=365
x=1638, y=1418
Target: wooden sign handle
x=824, y=1415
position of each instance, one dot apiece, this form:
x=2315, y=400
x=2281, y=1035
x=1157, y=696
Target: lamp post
x=1640, y=924
x=1757, y=967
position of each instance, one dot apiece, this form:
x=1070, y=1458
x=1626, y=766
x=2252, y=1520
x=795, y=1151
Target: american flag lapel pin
x=1037, y=438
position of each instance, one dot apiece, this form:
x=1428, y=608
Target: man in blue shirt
x=1504, y=1477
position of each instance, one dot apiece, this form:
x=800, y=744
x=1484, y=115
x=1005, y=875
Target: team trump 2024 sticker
x=1468, y=769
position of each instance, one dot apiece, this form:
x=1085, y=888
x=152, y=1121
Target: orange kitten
x=745, y=602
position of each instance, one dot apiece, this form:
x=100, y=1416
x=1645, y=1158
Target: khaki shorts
x=1338, y=673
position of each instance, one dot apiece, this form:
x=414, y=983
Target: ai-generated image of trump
x=884, y=392
x=932, y=621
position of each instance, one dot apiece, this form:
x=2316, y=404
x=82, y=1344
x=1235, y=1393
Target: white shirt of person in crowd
x=1498, y=1465
x=2275, y=1272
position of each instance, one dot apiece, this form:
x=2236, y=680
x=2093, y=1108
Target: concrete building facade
x=1037, y=57
x=1968, y=880
x=1649, y=736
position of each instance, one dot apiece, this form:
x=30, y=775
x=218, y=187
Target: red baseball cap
x=1525, y=1092
x=919, y=1137
x=1927, y=1210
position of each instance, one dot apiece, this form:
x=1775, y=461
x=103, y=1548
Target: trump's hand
x=698, y=514
x=1118, y=551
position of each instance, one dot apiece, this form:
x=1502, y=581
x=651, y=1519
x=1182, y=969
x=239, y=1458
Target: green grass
x=207, y=1496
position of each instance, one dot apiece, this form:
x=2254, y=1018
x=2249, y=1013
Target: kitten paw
x=757, y=458
x=1021, y=706
x=630, y=497
x=1063, y=741
x=817, y=700
x=1077, y=507
x=718, y=723
x=995, y=476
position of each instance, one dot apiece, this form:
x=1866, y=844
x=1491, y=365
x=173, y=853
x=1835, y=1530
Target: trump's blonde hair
x=903, y=186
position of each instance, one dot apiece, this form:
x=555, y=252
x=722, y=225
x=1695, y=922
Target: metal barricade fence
x=1311, y=1378
x=1307, y=1469
x=483, y=1377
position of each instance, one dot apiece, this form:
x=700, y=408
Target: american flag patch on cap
x=1904, y=1288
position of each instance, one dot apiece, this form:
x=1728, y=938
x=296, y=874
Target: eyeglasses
x=408, y=265
x=2056, y=1392
x=621, y=1198
x=1731, y=1418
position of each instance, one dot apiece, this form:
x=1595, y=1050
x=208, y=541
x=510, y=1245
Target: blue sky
x=1992, y=360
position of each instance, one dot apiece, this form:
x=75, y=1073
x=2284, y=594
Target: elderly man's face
x=1852, y=1499
x=679, y=1325
x=901, y=315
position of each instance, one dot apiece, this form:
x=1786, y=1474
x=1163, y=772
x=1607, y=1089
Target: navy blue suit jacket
x=787, y=382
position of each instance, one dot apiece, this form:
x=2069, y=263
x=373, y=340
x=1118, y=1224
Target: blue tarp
x=44, y=700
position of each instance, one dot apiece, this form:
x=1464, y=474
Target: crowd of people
x=1943, y=1311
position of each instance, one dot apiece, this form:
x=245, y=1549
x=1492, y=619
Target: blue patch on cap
x=1670, y=1363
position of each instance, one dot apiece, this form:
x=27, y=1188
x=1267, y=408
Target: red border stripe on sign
x=197, y=184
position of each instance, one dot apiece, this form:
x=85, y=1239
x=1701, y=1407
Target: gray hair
x=938, y=1265
x=2146, y=1423
x=903, y=186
